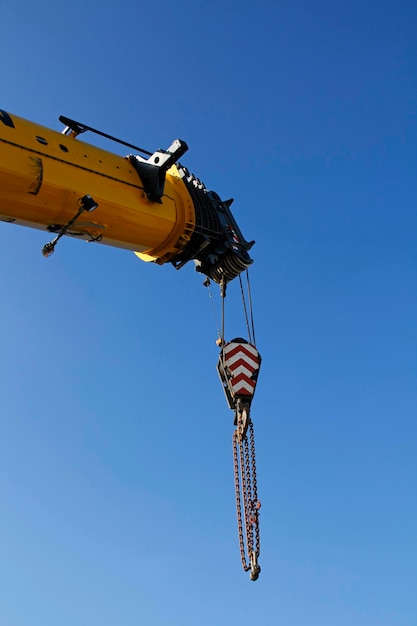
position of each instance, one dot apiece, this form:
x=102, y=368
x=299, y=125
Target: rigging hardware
x=238, y=367
x=73, y=129
x=86, y=203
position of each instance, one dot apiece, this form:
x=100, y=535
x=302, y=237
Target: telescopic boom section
x=152, y=206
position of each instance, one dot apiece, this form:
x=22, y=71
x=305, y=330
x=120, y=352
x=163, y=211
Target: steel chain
x=246, y=471
x=256, y=505
x=246, y=488
x=238, y=501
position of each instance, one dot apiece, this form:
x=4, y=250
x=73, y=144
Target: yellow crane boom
x=153, y=206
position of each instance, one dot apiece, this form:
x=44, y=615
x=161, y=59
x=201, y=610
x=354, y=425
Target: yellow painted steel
x=43, y=175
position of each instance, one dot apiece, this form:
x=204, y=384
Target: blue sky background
x=116, y=484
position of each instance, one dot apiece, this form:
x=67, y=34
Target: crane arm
x=152, y=206
x=155, y=207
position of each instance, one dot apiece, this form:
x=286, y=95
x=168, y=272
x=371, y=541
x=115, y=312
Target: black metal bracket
x=152, y=171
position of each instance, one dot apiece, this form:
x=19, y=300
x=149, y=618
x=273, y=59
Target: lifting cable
x=249, y=319
x=238, y=368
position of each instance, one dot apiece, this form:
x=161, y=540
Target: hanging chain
x=246, y=489
x=244, y=461
x=238, y=503
x=256, y=505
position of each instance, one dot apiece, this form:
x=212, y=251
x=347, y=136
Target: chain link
x=246, y=489
x=238, y=501
x=256, y=505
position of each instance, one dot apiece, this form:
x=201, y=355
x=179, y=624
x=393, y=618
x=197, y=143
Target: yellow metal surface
x=43, y=175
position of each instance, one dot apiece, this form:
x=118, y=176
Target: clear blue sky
x=116, y=484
